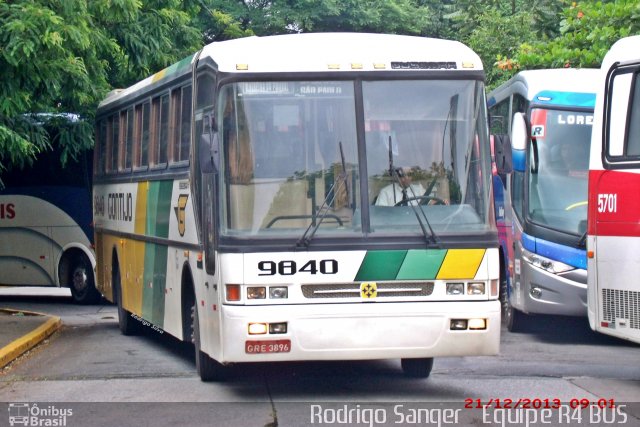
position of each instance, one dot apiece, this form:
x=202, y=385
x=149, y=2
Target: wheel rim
x=80, y=279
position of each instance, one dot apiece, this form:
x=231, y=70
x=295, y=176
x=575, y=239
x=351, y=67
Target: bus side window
x=128, y=139
x=163, y=140
x=101, y=151
x=115, y=143
x=181, y=124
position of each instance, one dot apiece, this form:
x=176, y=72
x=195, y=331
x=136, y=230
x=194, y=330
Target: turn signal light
x=233, y=292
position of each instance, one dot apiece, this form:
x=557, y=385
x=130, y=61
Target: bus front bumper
x=359, y=331
x=542, y=292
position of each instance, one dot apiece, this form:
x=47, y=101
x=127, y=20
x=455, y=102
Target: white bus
x=46, y=235
x=548, y=115
x=236, y=202
x=613, y=241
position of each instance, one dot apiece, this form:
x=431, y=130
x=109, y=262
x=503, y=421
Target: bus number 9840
x=290, y=267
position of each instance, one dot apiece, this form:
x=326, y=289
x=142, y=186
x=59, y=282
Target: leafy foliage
x=587, y=30
x=64, y=56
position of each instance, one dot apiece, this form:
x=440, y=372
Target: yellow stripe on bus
x=141, y=208
x=461, y=264
x=136, y=251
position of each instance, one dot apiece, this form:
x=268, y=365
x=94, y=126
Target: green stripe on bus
x=159, y=208
x=420, y=264
x=155, y=275
x=415, y=264
x=380, y=265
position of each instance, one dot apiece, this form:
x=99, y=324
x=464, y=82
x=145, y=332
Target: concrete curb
x=11, y=351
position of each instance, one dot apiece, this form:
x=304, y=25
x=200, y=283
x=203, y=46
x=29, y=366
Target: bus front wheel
x=207, y=368
x=417, y=368
x=515, y=319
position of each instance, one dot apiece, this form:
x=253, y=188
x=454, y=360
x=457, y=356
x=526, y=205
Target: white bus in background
x=613, y=241
x=46, y=234
x=235, y=202
x=548, y=115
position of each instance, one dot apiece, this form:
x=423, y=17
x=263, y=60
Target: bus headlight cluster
x=264, y=328
x=274, y=292
x=471, y=324
x=546, y=264
x=472, y=288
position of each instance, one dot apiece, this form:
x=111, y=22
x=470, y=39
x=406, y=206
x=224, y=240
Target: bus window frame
x=127, y=140
x=623, y=161
x=175, y=126
x=113, y=121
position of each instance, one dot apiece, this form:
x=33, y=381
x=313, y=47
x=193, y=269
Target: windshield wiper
x=323, y=210
x=582, y=243
x=431, y=236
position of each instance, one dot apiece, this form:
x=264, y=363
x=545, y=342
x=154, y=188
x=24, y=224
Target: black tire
x=81, y=281
x=127, y=324
x=504, y=296
x=207, y=368
x=417, y=368
x=515, y=319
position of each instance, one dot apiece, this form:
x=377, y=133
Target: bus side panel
x=615, y=209
x=33, y=234
x=26, y=256
x=182, y=230
x=154, y=237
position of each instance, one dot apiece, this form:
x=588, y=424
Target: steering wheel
x=422, y=200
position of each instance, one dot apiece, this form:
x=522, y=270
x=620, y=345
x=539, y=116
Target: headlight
x=256, y=292
x=475, y=288
x=278, y=292
x=546, y=264
x=455, y=288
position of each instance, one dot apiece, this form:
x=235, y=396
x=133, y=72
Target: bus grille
x=619, y=304
x=352, y=290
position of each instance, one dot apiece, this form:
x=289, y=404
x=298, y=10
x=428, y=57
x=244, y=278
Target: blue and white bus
x=548, y=115
x=46, y=229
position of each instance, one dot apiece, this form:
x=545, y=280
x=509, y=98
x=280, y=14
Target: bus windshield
x=558, y=186
x=291, y=157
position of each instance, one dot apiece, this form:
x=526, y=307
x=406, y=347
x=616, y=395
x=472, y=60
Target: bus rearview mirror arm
x=209, y=153
x=503, y=154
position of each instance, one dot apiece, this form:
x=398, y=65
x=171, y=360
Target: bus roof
x=319, y=52
x=623, y=50
x=534, y=83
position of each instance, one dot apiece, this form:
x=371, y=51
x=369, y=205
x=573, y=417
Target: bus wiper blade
x=582, y=243
x=323, y=210
x=430, y=236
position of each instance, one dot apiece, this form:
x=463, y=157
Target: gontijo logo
x=32, y=415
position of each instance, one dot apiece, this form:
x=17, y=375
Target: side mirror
x=503, y=154
x=519, y=140
x=209, y=153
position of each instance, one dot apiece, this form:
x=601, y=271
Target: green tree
x=496, y=38
x=64, y=56
x=587, y=31
x=264, y=17
x=496, y=29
